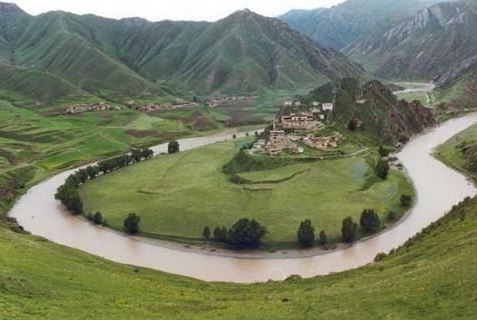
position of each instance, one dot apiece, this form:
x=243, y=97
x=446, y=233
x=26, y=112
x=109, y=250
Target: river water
x=438, y=189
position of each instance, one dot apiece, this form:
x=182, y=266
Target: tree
x=131, y=223
x=220, y=234
x=173, y=147
x=348, y=230
x=406, y=200
x=383, y=152
x=234, y=136
x=136, y=155
x=353, y=125
x=306, y=234
x=92, y=171
x=370, y=220
x=246, y=234
x=323, y=238
x=147, y=153
x=98, y=218
x=206, y=233
x=382, y=169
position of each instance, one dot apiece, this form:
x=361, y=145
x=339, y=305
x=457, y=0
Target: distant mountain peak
x=10, y=9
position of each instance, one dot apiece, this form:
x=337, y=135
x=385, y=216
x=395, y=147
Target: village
x=158, y=107
x=216, y=102
x=292, y=132
x=82, y=108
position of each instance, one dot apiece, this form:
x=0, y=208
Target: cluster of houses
x=82, y=108
x=218, y=101
x=293, y=131
x=157, y=107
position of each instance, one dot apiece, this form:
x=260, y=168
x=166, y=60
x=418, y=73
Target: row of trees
x=244, y=234
x=68, y=192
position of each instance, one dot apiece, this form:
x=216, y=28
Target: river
x=438, y=189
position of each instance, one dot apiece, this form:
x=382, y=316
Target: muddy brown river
x=438, y=189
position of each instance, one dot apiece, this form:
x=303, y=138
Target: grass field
x=432, y=278
x=177, y=195
x=450, y=154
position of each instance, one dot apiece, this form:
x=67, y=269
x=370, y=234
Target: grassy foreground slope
x=178, y=195
x=434, y=277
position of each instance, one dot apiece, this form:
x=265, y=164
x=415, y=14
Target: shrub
x=370, y=220
x=406, y=200
x=391, y=216
x=306, y=234
x=173, y=147
x=380, y=256
x=382, y=169
x=246, y=234
x=131, y=223
x=348, y=230
x=206, y=233
x=220, y=234
x=323, y=238
x=383, y=152
x=97, y=218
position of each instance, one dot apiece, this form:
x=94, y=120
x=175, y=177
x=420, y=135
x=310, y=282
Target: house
x=300, y=121
x=81, y=108
x=288, y=103
x=278, y=143
x=328, y=107
x=297, y=103
x=322, y=143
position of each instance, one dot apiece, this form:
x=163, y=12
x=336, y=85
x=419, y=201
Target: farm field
x=177, y=195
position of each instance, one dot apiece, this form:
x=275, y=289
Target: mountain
x=438, y=43
x=91, y=56
x=340, y=25
x=374, y=110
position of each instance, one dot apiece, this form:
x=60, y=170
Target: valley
x=316, y=164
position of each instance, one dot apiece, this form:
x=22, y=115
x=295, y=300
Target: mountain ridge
x=242, y=53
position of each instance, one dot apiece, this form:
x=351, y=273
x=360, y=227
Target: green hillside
x=432, y=277
x=132, y=58
x=384, y=118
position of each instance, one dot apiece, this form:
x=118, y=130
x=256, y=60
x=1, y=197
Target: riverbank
x=438, y=189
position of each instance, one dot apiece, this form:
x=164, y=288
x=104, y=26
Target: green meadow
x=178, y=195
x=432, y=277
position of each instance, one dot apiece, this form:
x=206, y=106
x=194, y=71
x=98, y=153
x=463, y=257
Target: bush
x=131, y=223
x=383, y=152
x=173, y=147
x=380, y=256
x=406, y=200
x=306, y=234
x=323, y=238
x=391, y=216
x=97, y=218
x=206, y=233
x=382, y=169
x=370, y=220
x=220, y=234
x=348, y=230
x=246, y=234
